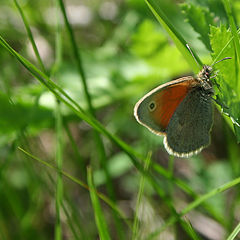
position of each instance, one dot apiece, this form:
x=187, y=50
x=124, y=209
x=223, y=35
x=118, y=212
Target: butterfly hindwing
x=188, y=129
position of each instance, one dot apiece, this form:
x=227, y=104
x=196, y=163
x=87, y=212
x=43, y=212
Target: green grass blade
x=177, y=38
x=69, y=218
x=99, y=217
x=30, y=36
x=190, y=230
x=187, y=189
x=234, y=232
x=59, y=184
x=74, y=106
x=97, y=137
x=139, y=198
x=80, y=160
x=80, y=183
x=77, y=56
x=58, y=43
x=195, y=204
x=63, y=97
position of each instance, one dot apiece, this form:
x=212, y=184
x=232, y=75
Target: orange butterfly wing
x=166, y=99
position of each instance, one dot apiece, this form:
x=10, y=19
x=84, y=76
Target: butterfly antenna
x=221, y=60
x=192, y=55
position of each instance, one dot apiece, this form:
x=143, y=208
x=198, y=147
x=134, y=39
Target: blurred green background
x=125, y=53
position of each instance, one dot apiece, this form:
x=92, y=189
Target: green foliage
x=159, y=53
x=69, y=106
x=100, y=220
x=17, y=115
x=200, y=19
x=228, y=77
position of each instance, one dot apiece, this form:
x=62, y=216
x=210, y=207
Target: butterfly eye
x=152, y=106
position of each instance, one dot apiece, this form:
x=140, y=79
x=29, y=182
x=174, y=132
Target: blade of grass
x=63, y=97
x=80, y=160
x=77, y=56
x=74, y=106
x=182, y=185
x=103, y=197
x=234, y=232
x=59, y=184
x=195, y=204
x=58, y=43
x=191, y=231
x=66, y=205
x=171, y=172
x=99, y=217
x=177, y=38
x=139, y=198
x=97, y=137
x=2, y=229
x=30, y=36
x=72, y=219
x=59, y=148
x=69, y=219
x=80, y=183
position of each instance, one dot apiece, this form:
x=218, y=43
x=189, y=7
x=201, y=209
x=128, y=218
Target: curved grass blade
x=195, y=204
x=59, y=183
x=30, y=36
x=177, y=38
x=139, y=198
x=234, y=232
x=80, y=183
x=63, y=97
x=99, y=217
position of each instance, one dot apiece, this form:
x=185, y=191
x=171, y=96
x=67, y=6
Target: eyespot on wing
x=156, y=108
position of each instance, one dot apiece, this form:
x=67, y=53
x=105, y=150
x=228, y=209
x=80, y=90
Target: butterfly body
x=182, y=111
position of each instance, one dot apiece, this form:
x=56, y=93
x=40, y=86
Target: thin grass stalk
x=195, y=204
x=80, y=183
x=97, y=137
x=74, y=106
x=234, y=232
x=98, y=213
x=139, y=199
x=30, y=36
x=59, y=184
x=80, y=160
x=191, y=231
x=171, y=220
x=180, y=42
x=59, y=137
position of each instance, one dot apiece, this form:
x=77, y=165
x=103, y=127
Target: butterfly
x=182, y=111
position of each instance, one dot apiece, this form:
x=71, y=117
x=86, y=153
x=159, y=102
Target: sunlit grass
x=58, y=198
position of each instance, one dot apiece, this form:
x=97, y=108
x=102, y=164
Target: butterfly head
x=204, y=77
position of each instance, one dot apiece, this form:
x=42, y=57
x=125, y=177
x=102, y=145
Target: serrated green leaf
x=200, y=19
x=222, y=45
x=215, y=6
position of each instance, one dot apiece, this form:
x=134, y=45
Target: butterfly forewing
x=156, y=108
